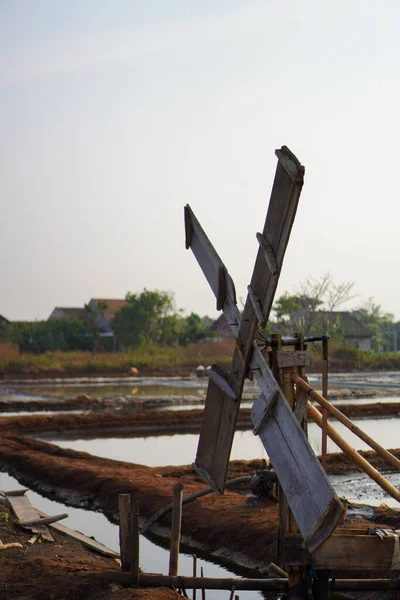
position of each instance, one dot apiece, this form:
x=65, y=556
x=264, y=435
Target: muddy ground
x=238, y=527
x=58, y=570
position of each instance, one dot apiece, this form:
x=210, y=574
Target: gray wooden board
x=24, y=511
x=278, y=224
x=310, y=494
x=80, y=537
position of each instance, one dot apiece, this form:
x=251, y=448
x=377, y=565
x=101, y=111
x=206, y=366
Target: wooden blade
x=220, y=411
x=297, y=468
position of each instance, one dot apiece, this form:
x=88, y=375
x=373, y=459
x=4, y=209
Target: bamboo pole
x=385, y=454
x=212, y=583
x=175, y=529
x=203, y=590
x=194, y=573
x=354, y=455
x=325, y=395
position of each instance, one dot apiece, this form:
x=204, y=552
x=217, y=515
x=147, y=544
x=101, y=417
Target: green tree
x=149, y=317
x=95, y=314
x=301, y=311
x=380, y=323
x=57, y=334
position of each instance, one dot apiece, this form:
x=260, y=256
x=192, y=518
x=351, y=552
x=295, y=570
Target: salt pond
x=181, y=448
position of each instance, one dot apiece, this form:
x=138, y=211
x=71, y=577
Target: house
x=68, y=313
x=351, y=328
x=106, y=315
x=4, y=323
x=221, y=328
x=352, y=331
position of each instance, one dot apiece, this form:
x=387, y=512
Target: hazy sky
x=114, y=115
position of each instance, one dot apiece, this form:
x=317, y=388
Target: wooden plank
x=24, y=511
x=206, y=449
x=44, y=520
x=295, y=358
x=350, y=552
x=80, y=537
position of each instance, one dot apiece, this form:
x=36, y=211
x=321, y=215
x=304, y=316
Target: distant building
x=68, y=313
x=4, y=323
x=104, y=318
x=352, y=330
x=221, y=328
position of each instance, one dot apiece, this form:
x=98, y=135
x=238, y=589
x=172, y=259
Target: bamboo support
x=194, y=573
x=211, y=583
x=385, y=454
x=203, y=589
x=354, y=455
x=175, y=529
x=324, y=444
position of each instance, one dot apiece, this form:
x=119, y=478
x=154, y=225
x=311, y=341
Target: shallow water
x=361, y=489
x=181, y=448
x=153, y=558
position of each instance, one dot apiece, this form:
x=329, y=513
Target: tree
x=94, y=316
x=57, y=334
x=381, y=325
x=148, y=317
x=302, y=310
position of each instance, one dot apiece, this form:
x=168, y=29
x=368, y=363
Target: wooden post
x=324, y=445
x=203, y=590
x=175, y=529
x=124, y=531
x=194, y=573
x=135, y=536
x=287, y=523
x=129, y=535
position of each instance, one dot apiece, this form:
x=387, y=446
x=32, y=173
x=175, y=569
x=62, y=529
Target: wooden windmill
x=312, y=500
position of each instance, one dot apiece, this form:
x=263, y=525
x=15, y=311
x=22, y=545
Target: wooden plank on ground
x=80, y=537
x=24, y=511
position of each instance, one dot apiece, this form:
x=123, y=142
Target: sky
x=114, y=115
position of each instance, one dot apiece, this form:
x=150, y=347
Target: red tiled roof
x=112, y=306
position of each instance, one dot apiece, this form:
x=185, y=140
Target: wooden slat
x=350, y=552
x=318, y=510
x=80, y=537
x=24, y=511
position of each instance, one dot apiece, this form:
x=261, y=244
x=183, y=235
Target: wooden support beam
x=350, y=552
x=271, y=585
x=129, y=536
x=175, y=529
